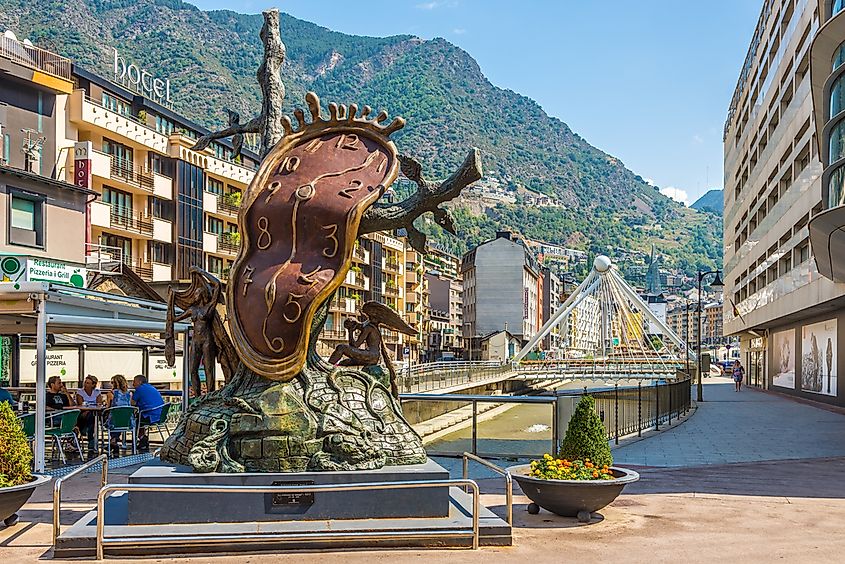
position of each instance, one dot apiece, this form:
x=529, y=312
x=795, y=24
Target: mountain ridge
x=439, y=88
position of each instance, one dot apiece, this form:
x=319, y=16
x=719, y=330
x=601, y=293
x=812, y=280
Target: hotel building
x=781, y=299
x=156, y=206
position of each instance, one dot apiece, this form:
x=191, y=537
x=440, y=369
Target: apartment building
x=552, y=293
x=163, y=207
x=445, y=335
x=44, y=222
x=379, y=272
x=777, y=301
x=503, y=289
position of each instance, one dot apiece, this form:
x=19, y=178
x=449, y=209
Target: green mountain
x=210, y=57
x=712, y=201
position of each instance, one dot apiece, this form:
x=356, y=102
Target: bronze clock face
x=298, y=226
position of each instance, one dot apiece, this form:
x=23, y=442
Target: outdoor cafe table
x=98, y=423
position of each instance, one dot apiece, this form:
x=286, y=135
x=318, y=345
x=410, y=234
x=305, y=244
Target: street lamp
x=716, y=284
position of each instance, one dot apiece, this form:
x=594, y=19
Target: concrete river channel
x=506, y=430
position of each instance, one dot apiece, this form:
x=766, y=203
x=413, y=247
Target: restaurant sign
x=17, y=268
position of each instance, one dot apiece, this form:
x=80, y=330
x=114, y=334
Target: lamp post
x=717, y=283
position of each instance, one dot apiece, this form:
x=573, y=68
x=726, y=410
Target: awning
x=39, y=308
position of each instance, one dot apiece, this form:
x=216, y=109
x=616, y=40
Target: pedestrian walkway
x=749, y=426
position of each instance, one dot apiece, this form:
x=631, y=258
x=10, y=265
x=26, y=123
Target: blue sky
x=647, y=81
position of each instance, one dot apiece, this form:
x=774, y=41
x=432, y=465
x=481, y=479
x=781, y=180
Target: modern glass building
x=780, y=144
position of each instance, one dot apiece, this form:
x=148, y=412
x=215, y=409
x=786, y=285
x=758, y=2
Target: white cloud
x=459, y=31
x=697, y=139
x=428, y=5
x=649, y=181
x=676, y=194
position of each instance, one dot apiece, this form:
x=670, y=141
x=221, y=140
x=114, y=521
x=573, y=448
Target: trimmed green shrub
x=15, y=455
x=586, y=438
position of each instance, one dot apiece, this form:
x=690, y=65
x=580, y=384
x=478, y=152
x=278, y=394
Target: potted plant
x=16, y=481
x=583, y=479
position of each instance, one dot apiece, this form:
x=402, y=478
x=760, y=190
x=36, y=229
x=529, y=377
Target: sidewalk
x=749, y=426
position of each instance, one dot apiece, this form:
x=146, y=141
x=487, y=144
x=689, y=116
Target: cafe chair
x=156, y=425
x=67, y=421
x=27, y=421
x=121, y=420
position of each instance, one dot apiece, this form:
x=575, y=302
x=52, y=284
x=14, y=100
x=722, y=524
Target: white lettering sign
x=60, y=362
x=140, y=80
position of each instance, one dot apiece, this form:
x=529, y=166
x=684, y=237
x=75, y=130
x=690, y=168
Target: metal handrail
x=467, y=456
x=329, y=536
x=57, y=490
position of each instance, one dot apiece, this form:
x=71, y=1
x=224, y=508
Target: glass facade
x=837, y=142
x=838, y=57
x=837, y=7
x=836, y=188
x=190, y=182
x=837, y=96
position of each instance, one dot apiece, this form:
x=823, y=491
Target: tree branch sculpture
x=285, y=409
x=269, y=122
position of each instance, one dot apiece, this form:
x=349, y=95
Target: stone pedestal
x=146, y=508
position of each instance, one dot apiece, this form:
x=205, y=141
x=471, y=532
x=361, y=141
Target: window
x=120, y=202
x=119, y=246
x=162, y=209
x=837, y=96
x=115, y=104
x=159, y=252
x=122, y=156
x=164, y=125
x=215, y=266
x=838, y=57
x=26, y=220
x=837, y=142
x=215, y=225
x=836, y=188
x=214, y=186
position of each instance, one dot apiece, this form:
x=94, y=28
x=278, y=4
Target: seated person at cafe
x=149, y=403
x=117, y=397
x=89, y=396
x=6, y=396
x=57, y=394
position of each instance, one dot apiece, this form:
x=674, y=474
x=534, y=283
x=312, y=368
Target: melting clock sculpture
x=283, y=407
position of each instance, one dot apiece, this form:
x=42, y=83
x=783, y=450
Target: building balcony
x=41, y=61
x=412, y=297
x=334, y=335
x=411, y=277
x=87, y=111
x=221, y=204
x=103, y=215
x=392, y=291
x=391, y=265
x=360, y=254
x=124, y=174
x=221, y=243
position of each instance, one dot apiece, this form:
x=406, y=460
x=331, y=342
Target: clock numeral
x=272, y=188
x=380, y=167
x=247, y=277
x=347, y=141
x=264, y=238
x=307, y=278
x=354, y=186
x=292, y=301
x=330, y=252
x=313, y=146
x=288, y=165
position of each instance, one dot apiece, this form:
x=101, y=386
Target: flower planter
x=571, y=498
x=13, y=498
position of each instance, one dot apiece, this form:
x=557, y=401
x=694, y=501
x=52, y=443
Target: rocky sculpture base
x=327, y=418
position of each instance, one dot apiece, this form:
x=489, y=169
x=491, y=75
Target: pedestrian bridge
x=598, y=369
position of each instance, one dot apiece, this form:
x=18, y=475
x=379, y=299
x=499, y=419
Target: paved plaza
x=748, y=426
x=750, y=477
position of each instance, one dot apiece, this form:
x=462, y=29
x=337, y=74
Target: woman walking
x=738, y=374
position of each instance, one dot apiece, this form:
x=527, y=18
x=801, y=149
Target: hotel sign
x=140, y=80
